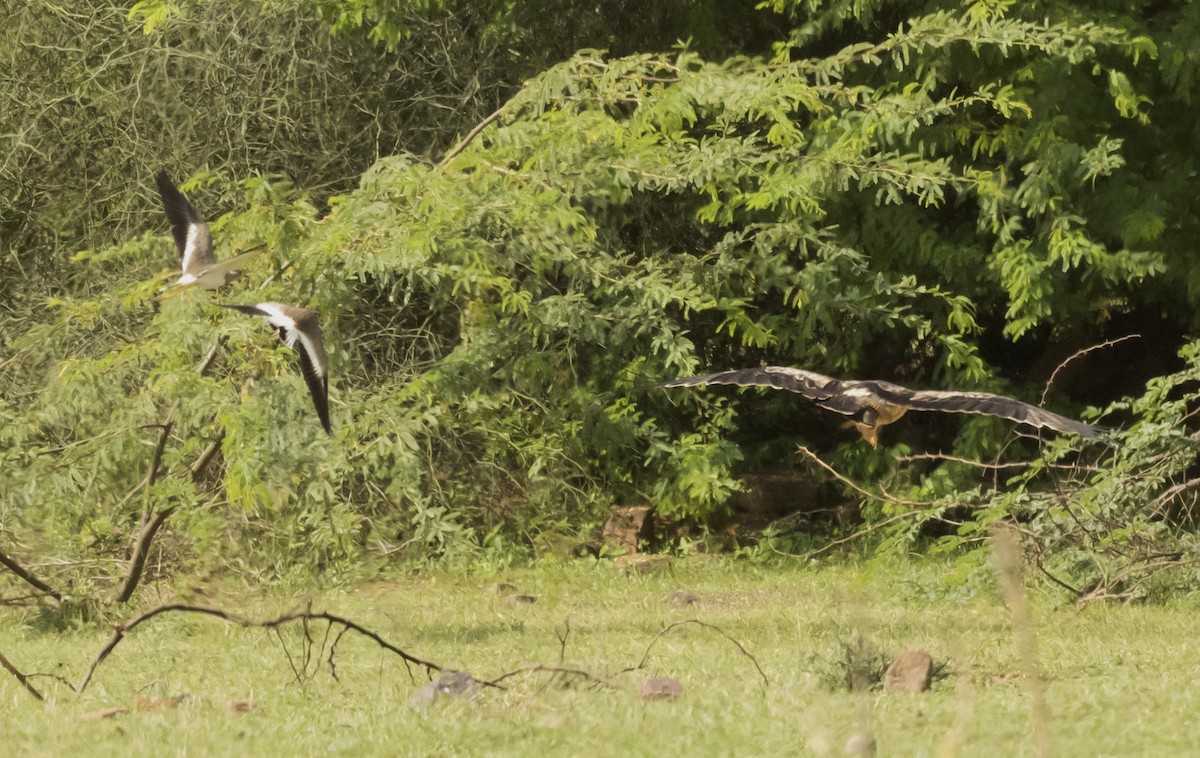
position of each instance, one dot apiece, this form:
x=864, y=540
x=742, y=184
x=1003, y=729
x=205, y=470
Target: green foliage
x=887, y=190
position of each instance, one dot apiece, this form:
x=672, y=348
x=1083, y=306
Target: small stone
x=501, y=588
x=458, y=684
x=660, y=688
x=517, y=599
x=861, y=743
x=910, y=673
x=683, y=597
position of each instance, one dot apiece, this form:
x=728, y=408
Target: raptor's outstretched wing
x=812, y=385
x=984, y=403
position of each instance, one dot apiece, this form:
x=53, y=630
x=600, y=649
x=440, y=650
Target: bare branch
x=22, y=678
x=210, y=452
x=957, y=459
x=141, y=551
x=881, y=495
x=850, y=537
x=304, y=615
x=1080, y=354
x=12, y=565
x=471, y=135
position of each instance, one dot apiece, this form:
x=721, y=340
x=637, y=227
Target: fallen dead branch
x=12, y=565
x=303, y=616
x=665, y=630
x=530, y=668
x=22, y=678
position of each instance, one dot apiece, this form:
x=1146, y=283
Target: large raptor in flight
x=872, y=404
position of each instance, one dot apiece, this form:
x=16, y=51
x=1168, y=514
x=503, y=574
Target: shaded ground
x=1120, y=680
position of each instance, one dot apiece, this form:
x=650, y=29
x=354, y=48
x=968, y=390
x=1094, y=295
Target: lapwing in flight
x=194, y=242
x=300, y=329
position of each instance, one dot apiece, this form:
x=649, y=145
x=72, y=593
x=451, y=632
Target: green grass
x=1120, y=680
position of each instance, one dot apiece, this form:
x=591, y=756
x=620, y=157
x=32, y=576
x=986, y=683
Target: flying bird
x=194, y=241
x=873, y=404
x=300, y=329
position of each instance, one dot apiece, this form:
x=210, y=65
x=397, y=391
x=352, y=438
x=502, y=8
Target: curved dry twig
x=881, y=495
x=706, y=625
x=529, y=668
x=957, y=459
x=1080, y=354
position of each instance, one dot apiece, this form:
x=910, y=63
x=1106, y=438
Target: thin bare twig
x=1080, y=354
x=881, y=495
x=301, y=615
x=562, y=640
x=957, y=459
x=850, y=537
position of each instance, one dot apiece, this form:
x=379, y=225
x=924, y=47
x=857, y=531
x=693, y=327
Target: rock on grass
x=910, y=673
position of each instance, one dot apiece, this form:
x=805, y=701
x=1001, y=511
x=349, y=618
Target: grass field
x=1119, y=680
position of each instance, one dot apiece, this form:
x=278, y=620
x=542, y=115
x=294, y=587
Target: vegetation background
x=515, y=217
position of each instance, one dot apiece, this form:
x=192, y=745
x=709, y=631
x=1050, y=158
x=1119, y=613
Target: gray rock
x=458, y=684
